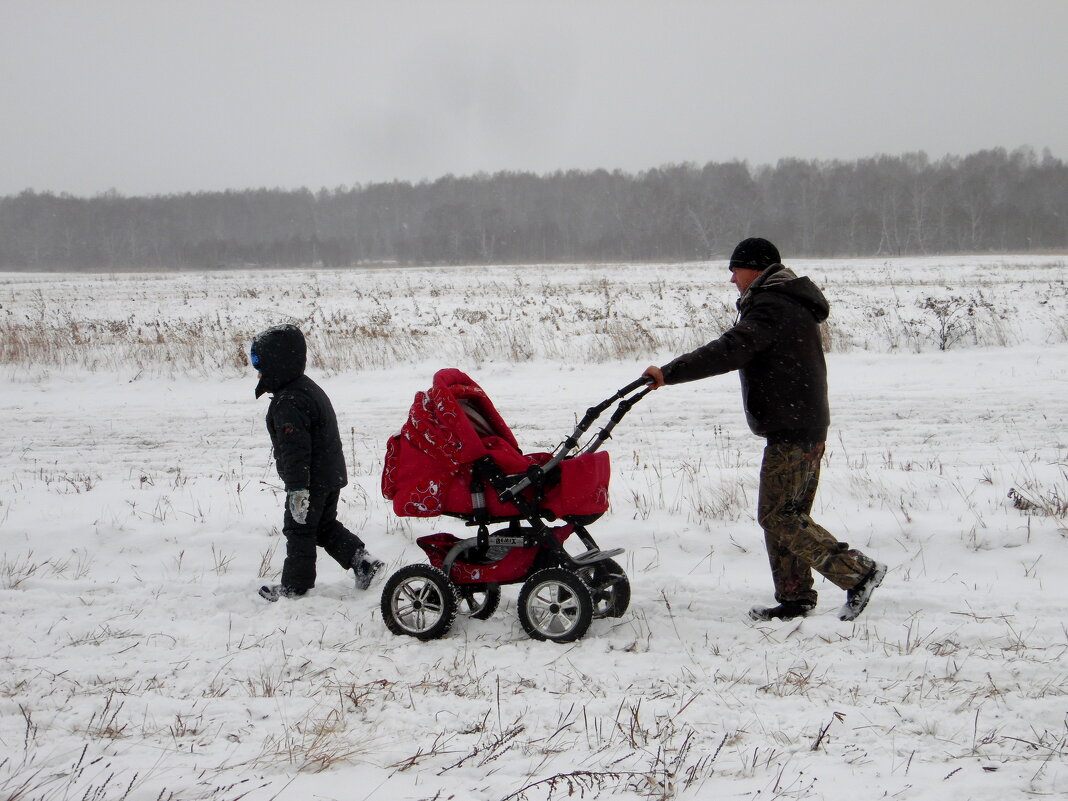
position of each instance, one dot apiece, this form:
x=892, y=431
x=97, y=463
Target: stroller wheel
x=609, y=587
x=555, y=604
x=420, y=601
x=479, y=601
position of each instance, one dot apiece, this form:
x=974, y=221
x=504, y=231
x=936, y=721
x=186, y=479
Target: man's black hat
x=754, y=254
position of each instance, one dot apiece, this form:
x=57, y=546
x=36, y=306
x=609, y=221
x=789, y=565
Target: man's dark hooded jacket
x=300, y=419
x=776, y=347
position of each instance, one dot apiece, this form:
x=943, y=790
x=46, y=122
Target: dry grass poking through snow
x=375, y=318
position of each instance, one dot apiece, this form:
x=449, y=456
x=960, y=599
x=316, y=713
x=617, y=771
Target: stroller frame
x=561, y=593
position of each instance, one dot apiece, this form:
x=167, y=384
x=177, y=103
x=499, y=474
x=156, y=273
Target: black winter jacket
x=300, y=420
x=776, y=347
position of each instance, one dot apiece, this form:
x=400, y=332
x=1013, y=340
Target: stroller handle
x=623, y=407
x=572, y=442
x=596, y=411
x=633, y=385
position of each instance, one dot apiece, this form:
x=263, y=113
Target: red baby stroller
x=456, y=456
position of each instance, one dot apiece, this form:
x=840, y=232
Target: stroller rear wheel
x=609, y=587
x=555, y=604
x=479, y=601
x=420, y=601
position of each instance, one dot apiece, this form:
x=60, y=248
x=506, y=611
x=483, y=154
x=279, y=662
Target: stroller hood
x=450, y=421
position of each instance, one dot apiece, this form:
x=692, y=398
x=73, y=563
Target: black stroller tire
x=479, y=601
x=609, y=587
x=556, y=605
x=419, y=601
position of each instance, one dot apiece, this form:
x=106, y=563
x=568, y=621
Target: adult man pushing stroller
x=775, y=345
x=310, y=461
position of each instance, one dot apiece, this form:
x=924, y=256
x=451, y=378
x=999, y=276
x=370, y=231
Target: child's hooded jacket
x=300, y=420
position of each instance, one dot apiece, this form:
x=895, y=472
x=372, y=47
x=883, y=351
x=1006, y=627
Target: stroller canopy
x=450, y=422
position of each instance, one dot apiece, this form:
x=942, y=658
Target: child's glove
x=298, y=501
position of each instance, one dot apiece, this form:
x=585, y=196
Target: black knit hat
x=754, y=254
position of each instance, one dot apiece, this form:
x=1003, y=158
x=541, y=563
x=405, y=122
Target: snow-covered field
x=139, y=510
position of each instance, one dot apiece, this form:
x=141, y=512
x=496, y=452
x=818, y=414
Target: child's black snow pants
x=321, y=529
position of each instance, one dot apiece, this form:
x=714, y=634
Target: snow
x=139, y=508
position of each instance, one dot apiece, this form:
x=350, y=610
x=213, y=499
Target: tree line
x=989, y=201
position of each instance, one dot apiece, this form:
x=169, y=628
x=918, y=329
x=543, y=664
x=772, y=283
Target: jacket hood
x=282, y=354
x=783, y=281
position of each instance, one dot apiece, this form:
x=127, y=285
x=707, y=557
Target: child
x=310, y=461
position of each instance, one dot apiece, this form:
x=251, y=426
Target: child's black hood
x=283, y=355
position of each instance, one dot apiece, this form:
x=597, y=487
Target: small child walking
x=311, y=463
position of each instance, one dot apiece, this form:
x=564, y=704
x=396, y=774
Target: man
x=775, y=345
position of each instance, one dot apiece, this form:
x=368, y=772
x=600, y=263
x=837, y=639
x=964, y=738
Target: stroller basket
x=496, y=564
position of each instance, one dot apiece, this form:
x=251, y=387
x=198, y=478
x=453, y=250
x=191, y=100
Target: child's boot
x=365, y=566
x=275, y=591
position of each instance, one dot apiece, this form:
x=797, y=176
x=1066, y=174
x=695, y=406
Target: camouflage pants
x=796, y=544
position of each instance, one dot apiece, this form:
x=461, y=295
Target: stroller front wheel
x=420, y=601
x=556, y=605
x=609, y=587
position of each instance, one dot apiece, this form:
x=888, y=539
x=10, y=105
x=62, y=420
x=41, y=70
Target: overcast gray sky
x=161, y=96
